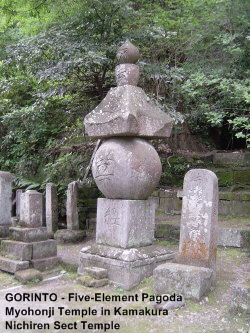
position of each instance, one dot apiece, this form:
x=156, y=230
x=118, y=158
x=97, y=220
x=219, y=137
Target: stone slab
x=11, y=266
x=31, y=209
x=95, y=272
x=44, y=249
x=44, y=264
x=240, y=300
x=199, y=219
x=126, y=267
x=190, y=281
x=51, y=208
x=28, y=275
x=71, y=207
x=28, y=234
x=89, y=281
x=69, y=236
x=18, y=250
x=6, y=179
x=125, y=223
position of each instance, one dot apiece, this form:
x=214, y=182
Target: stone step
x=89, y=281
x=28, y=234
x=28, y=275
x=18, y=250
x=11, y=265
x=230, y=237
x=95, y=272
x=45, y=263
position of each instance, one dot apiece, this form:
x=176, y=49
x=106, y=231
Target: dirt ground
x=211, y=314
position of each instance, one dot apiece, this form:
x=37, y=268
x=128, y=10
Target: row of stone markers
x=25, y=247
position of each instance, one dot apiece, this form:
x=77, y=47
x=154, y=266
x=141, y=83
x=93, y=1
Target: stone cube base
x=125, y=223
x=18, y=250
x=190, y=281
x=28, y=234
x=11, y=266
x=126, y=267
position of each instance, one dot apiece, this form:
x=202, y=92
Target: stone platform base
x=241, y=297
x=189, y=281
x=126, y=267
x=11, y=266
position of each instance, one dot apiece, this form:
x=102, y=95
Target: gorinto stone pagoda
x=126, y=169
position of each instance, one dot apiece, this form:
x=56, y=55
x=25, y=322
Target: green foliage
x=57, y=62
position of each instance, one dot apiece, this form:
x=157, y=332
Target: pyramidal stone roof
x=126, y=110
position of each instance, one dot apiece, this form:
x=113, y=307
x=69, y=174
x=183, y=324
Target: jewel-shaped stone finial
x=127, y=53
x=126, y=71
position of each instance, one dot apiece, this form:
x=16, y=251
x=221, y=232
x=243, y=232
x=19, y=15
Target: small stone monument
x=29, y=245
x=194, y=271
x=51, y=208
x=6, y=179
x=126, y=169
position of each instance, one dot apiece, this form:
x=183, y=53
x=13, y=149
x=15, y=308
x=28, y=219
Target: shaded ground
x=210, y=315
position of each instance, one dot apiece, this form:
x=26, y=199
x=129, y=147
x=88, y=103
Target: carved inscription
x=104, y=167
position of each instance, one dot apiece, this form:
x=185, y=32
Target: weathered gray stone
x=127, y=53
x=230, y=237
x=127, y=74
x=4, y=231
x=229, y=158
x=44, y=249
x=18, y=199
x=241, y=297
x=28, y=275
x=190, y=281
x=126, y=168
x=28, y=234
x=95, y=272
x=69, y=236
x=45, y=263
x=198, y=234
x=125, y=223
x=126, y=267
x=51, y=208
x=17, y=250
x=31, y=209
x=11, y=266
x=6, y=179
x=71, y=207
x=127, y=111
x=89, y=281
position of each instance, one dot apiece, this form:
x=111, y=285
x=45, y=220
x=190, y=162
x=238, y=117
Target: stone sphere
x=126, y=168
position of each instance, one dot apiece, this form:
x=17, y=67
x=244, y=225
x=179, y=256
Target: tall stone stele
x=126, y=169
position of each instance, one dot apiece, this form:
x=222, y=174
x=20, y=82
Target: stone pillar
x=31, y=209
x=18, y=200
x=71, y=207
x=51, y=208
x=5, y=198
x=198, y=234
